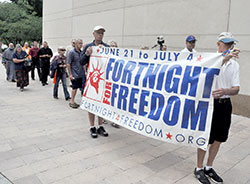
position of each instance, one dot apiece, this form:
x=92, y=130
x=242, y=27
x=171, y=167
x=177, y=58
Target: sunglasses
x=192, y=42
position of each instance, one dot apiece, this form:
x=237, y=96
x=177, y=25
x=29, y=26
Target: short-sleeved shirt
x=229, y=76
x=22, y=55
x=74, y=60
x=186, y=50
x=34, y=52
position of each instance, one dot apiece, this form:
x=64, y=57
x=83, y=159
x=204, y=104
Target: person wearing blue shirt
x=22, y=75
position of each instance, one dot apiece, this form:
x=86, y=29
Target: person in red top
x=35, y=60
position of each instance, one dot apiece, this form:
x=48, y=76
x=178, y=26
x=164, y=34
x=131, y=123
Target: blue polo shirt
x=74, y=60
x=22, y=55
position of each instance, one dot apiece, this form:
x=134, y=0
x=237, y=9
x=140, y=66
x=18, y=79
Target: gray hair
x=18, y=46
x=79, y=40
x=112, y=43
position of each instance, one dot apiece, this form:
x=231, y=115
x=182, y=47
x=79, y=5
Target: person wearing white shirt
x=190, y=44
x=227, y=84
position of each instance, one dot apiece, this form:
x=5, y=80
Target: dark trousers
x=45, y=72
x=35, y=65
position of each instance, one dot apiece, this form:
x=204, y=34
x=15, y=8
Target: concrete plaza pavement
x=44, y=141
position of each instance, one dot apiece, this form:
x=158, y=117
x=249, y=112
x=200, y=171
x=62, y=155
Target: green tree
x=37, y=5
x=18, y=24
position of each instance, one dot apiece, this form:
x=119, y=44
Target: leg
x=33, y=69
x=213, y=150
x=200, y=157
x=55, y=93
x=46, y=72
x=100, y=121
x=73, y=95
x=65, y=90
x=12, y=71
x=37, y=65
x=91, y=119
x=93, y=130
x=18, y=78
x=22, y=79
x=209, y=171
x=26, y=78
x=75, y=86
x=199, y=172
x=8, y=70
x=42, y=74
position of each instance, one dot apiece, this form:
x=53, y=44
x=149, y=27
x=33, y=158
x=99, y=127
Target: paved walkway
x=43, y=141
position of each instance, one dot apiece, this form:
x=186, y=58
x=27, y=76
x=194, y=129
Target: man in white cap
x=227, y=84
x=98, y=33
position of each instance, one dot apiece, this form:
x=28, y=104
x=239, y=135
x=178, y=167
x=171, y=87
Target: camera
x=160, y=42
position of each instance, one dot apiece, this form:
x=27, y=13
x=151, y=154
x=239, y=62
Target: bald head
x=11, y=46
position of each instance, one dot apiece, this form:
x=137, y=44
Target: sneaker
x=200, y=175
x=213, y=175
x=21, y=89
x=102, y=131
x=93, y=132
x=55, y=97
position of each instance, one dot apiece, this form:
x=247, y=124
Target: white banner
x=163, y=95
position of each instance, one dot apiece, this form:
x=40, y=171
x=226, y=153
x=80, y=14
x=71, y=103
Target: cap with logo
x=226, y=37
x=190, y=38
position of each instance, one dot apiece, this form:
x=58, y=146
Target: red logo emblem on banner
x=94, y=78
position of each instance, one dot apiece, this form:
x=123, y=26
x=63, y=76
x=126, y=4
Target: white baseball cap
x=226, y=37
x=96, y=28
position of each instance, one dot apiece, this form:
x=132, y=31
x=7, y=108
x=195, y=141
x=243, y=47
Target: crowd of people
x=72, y=62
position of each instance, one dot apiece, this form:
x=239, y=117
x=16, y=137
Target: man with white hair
x=98, y=34
x=227, y=85
x=7, y=61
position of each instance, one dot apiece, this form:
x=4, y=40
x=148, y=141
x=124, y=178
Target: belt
x=223, y=100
